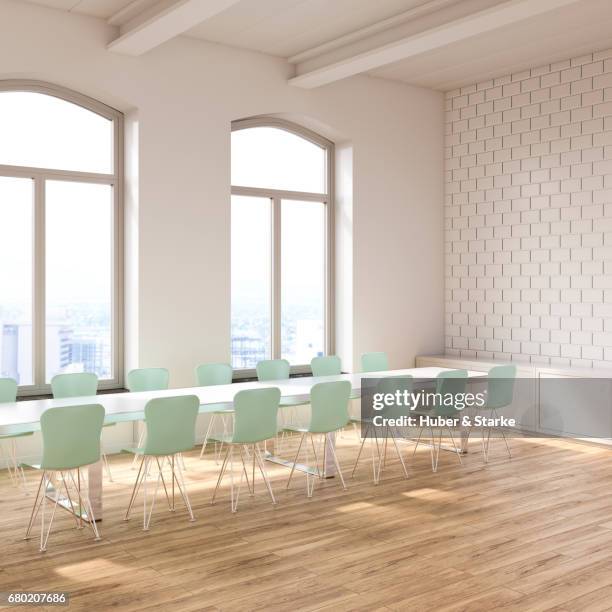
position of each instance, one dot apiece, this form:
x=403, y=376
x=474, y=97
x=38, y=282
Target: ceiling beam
x=355, y=60
x=163, y=21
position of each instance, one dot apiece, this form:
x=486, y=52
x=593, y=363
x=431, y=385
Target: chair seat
x=16, y=435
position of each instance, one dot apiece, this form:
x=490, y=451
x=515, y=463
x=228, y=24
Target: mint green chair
x=272, y=369
x=379, y=457
x=332, y=366
x=500, y=393
x=71, y=440
x=374, y=362
x=79, y=384
x=279, y=369
x=170, y=425
x=145, y=379
x=329, y=365
x=255, y=421
x=8, y=394
x=448, y=384
x=329, y=414
x=209, y=374
x=148, y=379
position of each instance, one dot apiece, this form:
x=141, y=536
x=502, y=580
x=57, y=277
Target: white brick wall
x=528, y=223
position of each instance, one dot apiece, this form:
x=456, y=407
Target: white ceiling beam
x=162, y=22
x=430, y=39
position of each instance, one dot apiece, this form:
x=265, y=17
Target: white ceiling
x=287, y=27
x=567, y=32
x=315, y=34
x=96, y=8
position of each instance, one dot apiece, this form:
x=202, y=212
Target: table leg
x=94, y=483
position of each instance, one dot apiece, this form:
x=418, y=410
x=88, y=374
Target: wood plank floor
x=531, y=533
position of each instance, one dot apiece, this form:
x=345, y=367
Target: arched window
x=282, y=221
x=60, y=264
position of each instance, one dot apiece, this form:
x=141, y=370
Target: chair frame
x=255, y=454
x=320, y=473
x=177, y=481
x=47, y=485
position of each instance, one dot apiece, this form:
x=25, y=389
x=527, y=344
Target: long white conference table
x=17, y=417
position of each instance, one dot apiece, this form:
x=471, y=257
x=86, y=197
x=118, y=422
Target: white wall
x=184, y=96
x=529, y=215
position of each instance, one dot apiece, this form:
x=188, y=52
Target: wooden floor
x=531, y=533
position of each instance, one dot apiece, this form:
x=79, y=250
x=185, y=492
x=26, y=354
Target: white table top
x=25, y=415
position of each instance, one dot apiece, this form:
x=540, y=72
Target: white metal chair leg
x=139, y=445
x=147, y=518
x=264, y=474
x=501, y=431
x=145, y=475
x=107, y=467
x=221, y=474
x=399, y=454
x=183, y=491
x=309, y=477
x=337, y=464
x=207, y=434
x=44, y=537
x=297, y=454
x=454, y=445
x=18, y=469
x=6, y=458
x=418, y=440
x=435, y=450
x=365, y=437
x=376, y=466
x=40, y=493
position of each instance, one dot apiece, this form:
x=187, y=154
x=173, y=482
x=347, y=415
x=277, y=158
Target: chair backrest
x=255, y=412
x=170, y=424
x=71, y=436
x=78, y=384
x=326, y=366
x=8, y=390
x=451, y=382
x=148, y=379
x=272, y=369
x=329, y=406
x=392, y=384
x=209, y=374
x=374, y=362
x=500, y=387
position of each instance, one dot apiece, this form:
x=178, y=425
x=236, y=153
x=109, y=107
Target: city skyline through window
x=279, y=251
x=57, y=239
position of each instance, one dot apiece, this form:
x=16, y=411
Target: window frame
x=39, y=176
x=276, y=196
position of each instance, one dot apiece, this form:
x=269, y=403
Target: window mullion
x=276, y=278
x=38, y=322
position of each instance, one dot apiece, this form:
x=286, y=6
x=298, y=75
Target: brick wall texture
x=528, y=215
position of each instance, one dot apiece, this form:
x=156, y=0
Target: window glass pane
x=302, y=280
x=47, y=132
x=277, y=159
x=251, y=278
x=78, y=278
x=16, y=236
